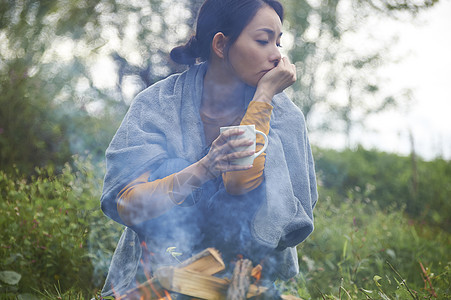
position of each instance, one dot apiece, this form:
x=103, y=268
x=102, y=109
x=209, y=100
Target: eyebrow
x=269, y=31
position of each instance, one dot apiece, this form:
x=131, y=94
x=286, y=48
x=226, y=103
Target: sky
x=425, y=48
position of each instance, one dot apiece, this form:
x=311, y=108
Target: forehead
x=266, y=17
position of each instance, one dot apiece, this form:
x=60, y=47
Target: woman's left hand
x=277, y=79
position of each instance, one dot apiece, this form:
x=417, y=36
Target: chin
x=253, y=82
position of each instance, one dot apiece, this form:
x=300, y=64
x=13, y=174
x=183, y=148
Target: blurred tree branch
x=326, y=67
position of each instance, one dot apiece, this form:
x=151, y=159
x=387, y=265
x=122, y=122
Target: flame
x=159, y=296
x=146, y=272
x=145, y=260
x=116, y=295
x=257, y=272
x=144, y=245
x=168, y=296
x=144, y=292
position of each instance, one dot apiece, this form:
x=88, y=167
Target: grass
x=58, y=243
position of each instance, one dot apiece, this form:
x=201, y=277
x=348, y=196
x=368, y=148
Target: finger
x=225, y=161
x=225, y=136
x=232, y=132
x=238, y=143
x=230, y=146
x=240, y=154
x=286, y=61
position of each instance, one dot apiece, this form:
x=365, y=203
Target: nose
x=275, y=55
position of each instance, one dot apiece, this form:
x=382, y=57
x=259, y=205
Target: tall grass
x=365, y=251
x=52, y=233
x=55, y=243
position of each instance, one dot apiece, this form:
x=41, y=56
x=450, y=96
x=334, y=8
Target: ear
x=219, y=44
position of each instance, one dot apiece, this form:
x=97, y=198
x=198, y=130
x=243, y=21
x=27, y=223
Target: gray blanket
x=163, y=123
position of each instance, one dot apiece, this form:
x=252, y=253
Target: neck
x=222, y=91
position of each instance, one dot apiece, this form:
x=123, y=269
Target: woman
x=169, y=178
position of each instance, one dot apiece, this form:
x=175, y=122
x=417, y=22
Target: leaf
x=391, y=253
x=170, y=249
x=12, y=258
x=345, y=247
x=174, y=254
x=366, y=291
x=376, y=279
x=10, y=277
x=383, y=296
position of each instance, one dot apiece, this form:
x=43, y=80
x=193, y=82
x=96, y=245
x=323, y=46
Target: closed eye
x=262, y=42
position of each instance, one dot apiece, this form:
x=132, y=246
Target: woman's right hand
x=224, y=150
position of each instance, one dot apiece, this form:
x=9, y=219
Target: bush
x=52, y=231
x=419, y=187
x=360, y=248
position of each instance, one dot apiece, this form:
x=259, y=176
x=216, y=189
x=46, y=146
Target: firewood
x=192, y=283
x=255, y=290
x=207, y=262
x=240, y=280
x=193, y=277
x=257, y=272
x=198, y=285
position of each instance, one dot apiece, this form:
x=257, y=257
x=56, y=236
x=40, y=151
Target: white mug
x=249, y=133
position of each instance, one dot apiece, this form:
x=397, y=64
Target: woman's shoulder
x=169, y=87
x=284, y=107
x=164, y=86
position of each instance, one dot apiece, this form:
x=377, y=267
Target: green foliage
x=420, y=187
x=51, y=106
x=432, y=190
x=361, y=249
x=55, y=238
x=376, y=233
x=52, y=231
x=45, y=90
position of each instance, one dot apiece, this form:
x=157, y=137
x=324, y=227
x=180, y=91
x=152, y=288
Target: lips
x=267, y=70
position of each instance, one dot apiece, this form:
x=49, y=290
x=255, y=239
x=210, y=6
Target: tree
x=35, y=85
x=327, y=67
x=51, y=105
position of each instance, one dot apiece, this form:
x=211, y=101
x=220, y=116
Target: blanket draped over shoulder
x=164, y=123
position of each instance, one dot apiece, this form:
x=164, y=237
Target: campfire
x=195, y=278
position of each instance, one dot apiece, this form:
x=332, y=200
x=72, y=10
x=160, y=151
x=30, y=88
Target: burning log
x=239, y=286
x=199, y=285
x=193, y=277
x=192, y=283
x=257, y=272
x=207, y=262
x=151, y=289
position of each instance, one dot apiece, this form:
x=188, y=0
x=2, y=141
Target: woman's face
x=256, y=51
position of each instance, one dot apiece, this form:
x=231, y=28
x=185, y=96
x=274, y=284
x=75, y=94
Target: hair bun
x=193, y=43
x=186, y=54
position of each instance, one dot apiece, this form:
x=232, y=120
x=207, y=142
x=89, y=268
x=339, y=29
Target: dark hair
x=226, y=16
